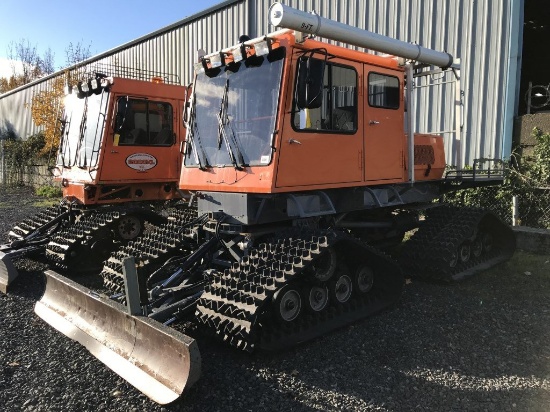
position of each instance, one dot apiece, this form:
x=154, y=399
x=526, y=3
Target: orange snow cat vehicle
x=118, y=163
x=304, y=165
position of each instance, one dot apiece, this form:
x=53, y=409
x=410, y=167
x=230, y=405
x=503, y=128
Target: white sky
x=6, y=67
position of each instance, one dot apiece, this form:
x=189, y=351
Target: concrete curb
x=532, y=240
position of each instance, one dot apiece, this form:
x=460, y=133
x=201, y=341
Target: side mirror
x=310, y=83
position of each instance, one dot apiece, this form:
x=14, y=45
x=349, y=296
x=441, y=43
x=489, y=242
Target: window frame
x=147, y=113
x=294, y=112
x=369, y=94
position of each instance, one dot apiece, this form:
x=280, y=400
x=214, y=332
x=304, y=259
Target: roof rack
x=106, y=70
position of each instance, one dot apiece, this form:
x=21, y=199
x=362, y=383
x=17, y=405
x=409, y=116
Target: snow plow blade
x=159, y=361
x=8, y=272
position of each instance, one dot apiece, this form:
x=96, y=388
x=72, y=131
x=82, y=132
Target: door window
x=142, y=122
x=383, y=91
x=338, y=110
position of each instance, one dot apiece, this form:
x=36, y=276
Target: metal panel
x=478, y=32
x=15, y=111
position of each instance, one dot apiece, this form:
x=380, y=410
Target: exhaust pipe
x=159, y=361
x=284, y=16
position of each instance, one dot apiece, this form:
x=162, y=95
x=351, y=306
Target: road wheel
x=288, y=304
x=129, y=227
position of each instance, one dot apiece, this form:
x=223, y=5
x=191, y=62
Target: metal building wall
x=15, y=110
x=478, y=32
x=175, y=50
x=171, y=49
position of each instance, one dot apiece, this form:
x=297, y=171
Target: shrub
x=49, y=192
x=527, y=178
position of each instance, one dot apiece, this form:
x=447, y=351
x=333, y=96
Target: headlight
x=262, y=48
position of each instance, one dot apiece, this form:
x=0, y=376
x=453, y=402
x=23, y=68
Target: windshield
x=83, y=127
x=233, y=113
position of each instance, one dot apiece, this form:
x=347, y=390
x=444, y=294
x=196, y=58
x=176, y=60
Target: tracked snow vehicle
x=118, y=163
x=302, y=169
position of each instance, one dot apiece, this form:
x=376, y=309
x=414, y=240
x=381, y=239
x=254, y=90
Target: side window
x=142, y=122
x=383, y=91
x=338, y=111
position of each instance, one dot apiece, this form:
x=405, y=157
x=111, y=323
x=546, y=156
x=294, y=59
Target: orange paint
x=372, y=154
x=131, y=172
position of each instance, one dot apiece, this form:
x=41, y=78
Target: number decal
x=307, y=27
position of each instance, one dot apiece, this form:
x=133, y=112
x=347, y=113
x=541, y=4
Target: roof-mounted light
x=83, y=89
x=107, y=81
x=237, y=54
x=217, y=60
x=199, y=68
x=262, y=47
x=95, y=85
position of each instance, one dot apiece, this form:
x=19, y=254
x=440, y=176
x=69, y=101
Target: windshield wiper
x=193, y=134
x=223, y=122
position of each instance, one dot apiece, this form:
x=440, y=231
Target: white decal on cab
x=141, y=161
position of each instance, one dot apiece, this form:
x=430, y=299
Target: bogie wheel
x=129, y=227
x=477, y=247
x=288, y=304
x=453, y=261
x=487, y=242
x=317, y=298
x=341, y=288
x=364, y=279
x=464, y=252
x=325, y=266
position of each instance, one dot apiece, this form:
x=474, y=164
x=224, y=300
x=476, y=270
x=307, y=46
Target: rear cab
x=121, y=140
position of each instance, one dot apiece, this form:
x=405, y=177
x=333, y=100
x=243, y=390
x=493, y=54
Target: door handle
x=374, y=122
x=290, y=141
x=114, y=151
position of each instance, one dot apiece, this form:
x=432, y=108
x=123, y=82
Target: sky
x=101, y=24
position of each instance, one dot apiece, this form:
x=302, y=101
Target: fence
x=34, y=175
x=528, y=207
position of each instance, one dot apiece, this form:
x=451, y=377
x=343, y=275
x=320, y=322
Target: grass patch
x=44, y=203
x=50, y=192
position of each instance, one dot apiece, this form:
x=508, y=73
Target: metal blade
x=159, y=361
x=8, y=272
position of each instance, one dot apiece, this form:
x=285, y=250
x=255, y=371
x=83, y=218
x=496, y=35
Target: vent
x=424, y=154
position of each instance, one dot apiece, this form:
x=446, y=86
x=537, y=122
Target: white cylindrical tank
x=288, y=17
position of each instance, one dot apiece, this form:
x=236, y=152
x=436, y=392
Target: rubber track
x=28, y=225
x=81, y=233
x=236, y=306
x=150, y=249
x=428, y=253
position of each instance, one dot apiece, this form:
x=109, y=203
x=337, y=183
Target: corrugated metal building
x=484, y=34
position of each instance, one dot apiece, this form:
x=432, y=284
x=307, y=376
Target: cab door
x=384, y=124
x=324, y=145
x=140, y=144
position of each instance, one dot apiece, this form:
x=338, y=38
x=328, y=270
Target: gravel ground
x=481, y=345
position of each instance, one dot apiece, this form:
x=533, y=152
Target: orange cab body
x=119, y=170
x=374, y=152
